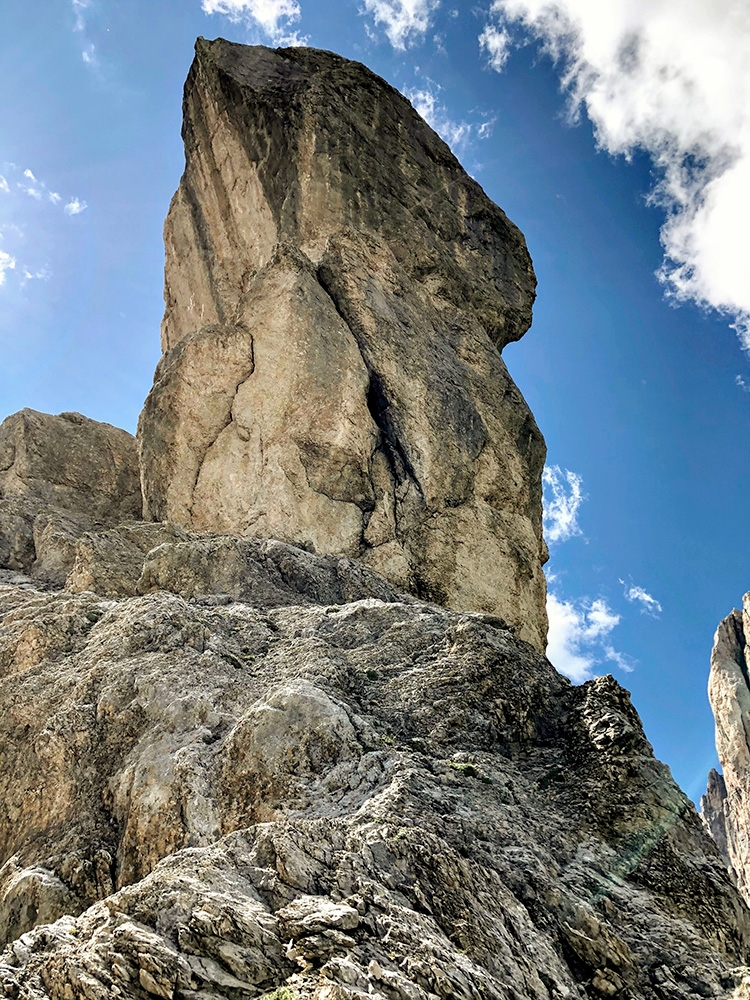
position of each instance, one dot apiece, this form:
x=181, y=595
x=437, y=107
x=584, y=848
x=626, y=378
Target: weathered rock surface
x=726, y=805
x=379, y=798
x=70, y=462
x=337, y=294
x=61, y=476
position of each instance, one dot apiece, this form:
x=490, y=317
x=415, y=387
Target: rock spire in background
x=338, y=291
x=726, y=804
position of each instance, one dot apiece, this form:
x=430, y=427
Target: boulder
x=61, y=476
x=70, y=462
x=338, y=291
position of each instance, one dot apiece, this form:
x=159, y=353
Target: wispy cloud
x=670, y=77
x=637, y=595
x=579, y=637
x=29, y=184
x=75, y=207
x=20, y=249
x=563, y=496
x=405, y=22
x=273, y=17
x=739, y=380
x=458, y=134
x=79, y=10
x=88, y=49
x=7, y=263
x=496, y=43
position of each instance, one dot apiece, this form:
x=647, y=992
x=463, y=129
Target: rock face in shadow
x=726, y=805
x=379, y=798
x=338, y=292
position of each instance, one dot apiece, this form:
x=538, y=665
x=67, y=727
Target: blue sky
x=616, y=135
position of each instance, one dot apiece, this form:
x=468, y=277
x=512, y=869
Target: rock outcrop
x=726, y=805
x=61, y=476
x=381, y=798
x=338, y=291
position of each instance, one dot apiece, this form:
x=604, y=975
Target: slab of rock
x=70, y=462
x=111, y=562
x=267, y=573
x=375, y=798
x=61, y=476
x=338, y=291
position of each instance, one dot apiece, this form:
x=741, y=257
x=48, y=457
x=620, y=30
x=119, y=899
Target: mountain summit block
x=338, y=292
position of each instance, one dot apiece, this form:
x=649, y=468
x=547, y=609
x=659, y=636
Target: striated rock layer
x=338, y=291
x=382, y=798
x=726, y=805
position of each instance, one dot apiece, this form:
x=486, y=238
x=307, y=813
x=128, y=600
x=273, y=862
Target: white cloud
x=88, y=54
x=457, y=134
x=43, y=274
x=7, y=263
x=404, y=21
x=578, y=639
x=79, y=9
x=671, y=77
x=562, y=498
x=649, y=605
x=496, y=43
x=739, y=380
x=75, y=207
x=37, y=189
x=273, y=17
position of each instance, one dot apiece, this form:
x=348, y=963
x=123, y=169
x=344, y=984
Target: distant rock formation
x=726, y=805
x=338, y=291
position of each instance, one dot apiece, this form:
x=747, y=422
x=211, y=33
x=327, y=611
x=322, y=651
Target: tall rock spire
x=338, y=291
x=726, y=805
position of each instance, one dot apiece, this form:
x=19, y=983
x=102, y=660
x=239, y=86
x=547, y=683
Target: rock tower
x=338, y=292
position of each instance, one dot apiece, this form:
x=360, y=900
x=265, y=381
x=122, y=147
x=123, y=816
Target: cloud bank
x=671, y=77
x=405, y=21
x=273, y=17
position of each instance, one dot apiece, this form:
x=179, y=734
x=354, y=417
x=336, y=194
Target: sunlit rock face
x=338, y=291
x=726, y=805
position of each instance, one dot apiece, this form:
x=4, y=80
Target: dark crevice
x=377, y=403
